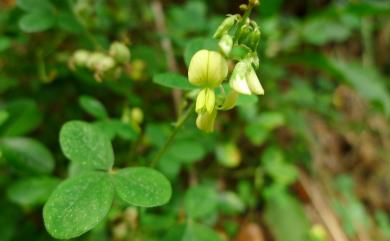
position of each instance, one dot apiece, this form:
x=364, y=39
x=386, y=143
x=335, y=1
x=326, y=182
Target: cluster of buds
x=104, y=65
x=209, y=69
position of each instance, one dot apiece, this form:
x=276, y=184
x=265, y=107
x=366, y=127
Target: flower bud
x=105, y=64
x=137, y=115
x=119, y=52
x=205, y=121
x=253, y=39
x=205, y=101
x=207, y=69
x=244, y=79
x=225, y=26
x=226, y=44
x=94, y=59
x=80, y=58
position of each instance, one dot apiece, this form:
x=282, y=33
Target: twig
x=321, y=206
x=166, y=45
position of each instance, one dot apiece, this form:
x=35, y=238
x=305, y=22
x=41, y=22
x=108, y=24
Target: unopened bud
x=80, y=58
x=225, y=26
x=105, y=64
x=137, y=115
x=226, y=44
x=94, y=59
x=119, y=52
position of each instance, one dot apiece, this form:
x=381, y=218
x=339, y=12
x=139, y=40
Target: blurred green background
x=309, y=160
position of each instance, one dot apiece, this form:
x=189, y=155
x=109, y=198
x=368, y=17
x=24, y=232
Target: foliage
x=99, y=138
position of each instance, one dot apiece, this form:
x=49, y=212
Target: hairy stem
x=180, y=122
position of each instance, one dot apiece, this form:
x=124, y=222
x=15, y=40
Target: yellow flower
x=205, y=121
x=207, y=69
x=205, y=101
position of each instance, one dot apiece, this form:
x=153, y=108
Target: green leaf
x=78, y=204
x=5, y=43
x=200, y=201
x=281, y=172
x=32, y=191
x=187, y=151
x=197, y=44
x=324, y=29
x=141, y=186
x=3, y=116
x=34, y=5
x=285, y=217
x=23, y=117
x=27, y=155
x=37, y=21
x=93, y=107
x=113, y=127
x=87, y=145
x=192, y=232
x=230, y=203
x=172, y=80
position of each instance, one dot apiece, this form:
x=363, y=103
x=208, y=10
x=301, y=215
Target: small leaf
x=193, y=232
x=5, y=43
x=141, y=186
x=187, y=151
x=172, y=80
x=27, y=155
x=200, y=201
x=87, y=145
x=113, y=127
x=78, y=205
x=23, y=117
x=93, y=107
x=34, y=5
x=285, y=217
x=37, y=21
x=32, y=191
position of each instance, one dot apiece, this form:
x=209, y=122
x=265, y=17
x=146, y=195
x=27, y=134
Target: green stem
x=181, y=121
x=242, y=22
x=87, y=33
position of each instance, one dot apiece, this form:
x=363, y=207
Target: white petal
x=254, y=83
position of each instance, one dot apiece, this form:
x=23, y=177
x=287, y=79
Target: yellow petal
x=205, y=121
x=210, y=100
x=200, y=101
x=217, y=69
x=197, y=71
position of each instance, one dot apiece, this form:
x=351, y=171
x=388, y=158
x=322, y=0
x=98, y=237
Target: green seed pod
x=207, y=69
x=119, y=52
